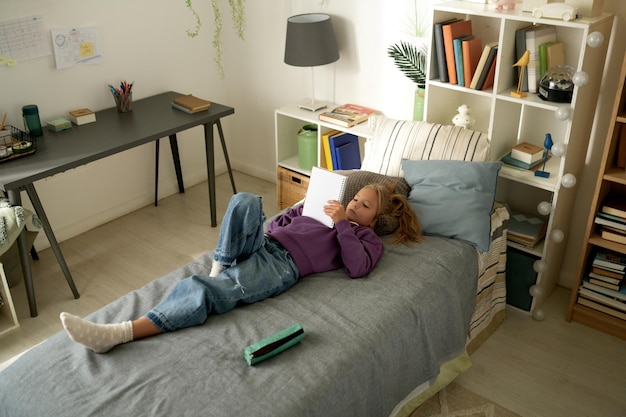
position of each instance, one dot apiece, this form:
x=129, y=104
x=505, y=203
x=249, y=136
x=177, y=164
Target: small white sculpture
x=463, y=118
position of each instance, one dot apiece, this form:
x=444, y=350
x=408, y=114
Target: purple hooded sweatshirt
x=318, y=248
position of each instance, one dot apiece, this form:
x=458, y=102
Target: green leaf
x=410, y=61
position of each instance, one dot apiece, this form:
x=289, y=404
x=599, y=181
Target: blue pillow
x=454, y=198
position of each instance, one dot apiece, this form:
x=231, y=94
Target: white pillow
x=395, y=140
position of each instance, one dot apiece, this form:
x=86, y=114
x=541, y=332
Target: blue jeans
x=258, y=267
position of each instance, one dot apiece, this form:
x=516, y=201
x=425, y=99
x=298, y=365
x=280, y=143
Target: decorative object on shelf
x=463, y=118
x=557, y=84
x=539, y=314
x=557, y=235
x=503, y=4
x=412, y=63
x=580, y=79
x=310, y=42
x=539, y=266
x=529, y=5
x=595, y=39
x=307, y=147
x=522, y=63
x=587, y=8
x=568, y=180
x=535, y=290
x=563, y=113
x=547, y=143
x=544, y=208
x=238, y=17
x=555, y=11
x=558, y=149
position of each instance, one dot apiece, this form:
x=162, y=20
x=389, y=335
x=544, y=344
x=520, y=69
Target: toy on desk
x=503, y=4
x=522, y=63
x=547, y=143
x=463, y=118
x=556, y=11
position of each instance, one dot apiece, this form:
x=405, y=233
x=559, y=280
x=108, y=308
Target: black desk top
x=112, y=132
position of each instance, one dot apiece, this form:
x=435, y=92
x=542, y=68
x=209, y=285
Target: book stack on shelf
x=524, y=156
x=347, y=115
x=545, y=52
x=462, y=58
x=525, y=229
x=612, y=219
x=340, y=151
x=603, y=288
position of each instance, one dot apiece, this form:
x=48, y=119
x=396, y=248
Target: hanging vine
x=237, y=8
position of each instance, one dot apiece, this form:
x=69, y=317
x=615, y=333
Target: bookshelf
x=288, y=121
x=611, y=180
x=509, y=120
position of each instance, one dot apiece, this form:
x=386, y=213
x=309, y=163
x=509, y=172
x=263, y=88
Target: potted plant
x=412, y=63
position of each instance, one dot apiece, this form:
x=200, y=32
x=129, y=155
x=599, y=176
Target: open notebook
x=324, y=185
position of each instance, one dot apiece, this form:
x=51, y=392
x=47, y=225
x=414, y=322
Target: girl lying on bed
x=250, y=265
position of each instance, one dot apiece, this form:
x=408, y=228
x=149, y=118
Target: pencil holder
x=123, y=101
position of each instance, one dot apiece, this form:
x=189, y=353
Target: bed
x=372, y=346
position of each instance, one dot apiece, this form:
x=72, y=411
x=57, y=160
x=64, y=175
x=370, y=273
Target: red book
x=450, y=32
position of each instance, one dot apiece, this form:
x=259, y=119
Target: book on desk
x=190, y=103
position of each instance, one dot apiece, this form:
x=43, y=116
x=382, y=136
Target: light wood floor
x=550, y=368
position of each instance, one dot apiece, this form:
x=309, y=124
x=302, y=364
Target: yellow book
x=327, y=160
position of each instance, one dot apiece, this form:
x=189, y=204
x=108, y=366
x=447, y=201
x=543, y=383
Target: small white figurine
x=503, y=4
x=463, y=118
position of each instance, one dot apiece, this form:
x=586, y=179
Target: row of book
x=612, y=219
x=462, y=58
x=347, y=115
x=340, y=151
x=545, y=52
x=603, y=289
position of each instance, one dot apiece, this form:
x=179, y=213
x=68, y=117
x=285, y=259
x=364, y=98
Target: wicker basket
x=292, y=187
x=16, y=144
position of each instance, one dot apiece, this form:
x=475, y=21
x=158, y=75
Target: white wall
x=145, y=41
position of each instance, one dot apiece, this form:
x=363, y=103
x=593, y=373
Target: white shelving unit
x=288, y=122
x=509, y=120
x=8, y=317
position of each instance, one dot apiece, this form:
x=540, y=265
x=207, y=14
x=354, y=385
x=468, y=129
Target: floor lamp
x=310, y=42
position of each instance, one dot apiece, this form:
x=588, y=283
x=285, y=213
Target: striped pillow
x=395, y=140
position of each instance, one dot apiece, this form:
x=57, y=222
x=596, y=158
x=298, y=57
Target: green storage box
x=520, y=276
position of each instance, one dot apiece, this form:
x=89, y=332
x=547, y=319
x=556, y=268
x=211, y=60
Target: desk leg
x=176, y=158
x=156, y=174
x=210, y=167
x=16, y=200
x=230, y=171
x=34, y=198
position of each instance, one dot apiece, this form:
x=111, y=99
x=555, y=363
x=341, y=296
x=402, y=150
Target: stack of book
x=190, y=104
x=525, y=156
x=462, y=58
x=612, y=219
x=347, y=115
x=603, y=289
x=525, y=229
x=341, y=151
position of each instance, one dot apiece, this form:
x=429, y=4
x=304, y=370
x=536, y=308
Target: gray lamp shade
x=310, y=40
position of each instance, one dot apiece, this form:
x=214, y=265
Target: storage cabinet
x=291, y=178
x=611, y=180
x=509, y=120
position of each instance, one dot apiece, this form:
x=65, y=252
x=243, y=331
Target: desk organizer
x=15, y=143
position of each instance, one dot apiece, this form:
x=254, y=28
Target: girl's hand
x=335, y=211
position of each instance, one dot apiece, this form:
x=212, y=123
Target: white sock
x=98, y=337
x=216, y=269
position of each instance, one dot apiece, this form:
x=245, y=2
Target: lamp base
x=312, y=105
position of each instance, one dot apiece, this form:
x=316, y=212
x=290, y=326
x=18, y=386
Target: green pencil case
x=274, y=344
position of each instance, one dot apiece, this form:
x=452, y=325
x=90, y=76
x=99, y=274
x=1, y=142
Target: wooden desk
x=152, y=118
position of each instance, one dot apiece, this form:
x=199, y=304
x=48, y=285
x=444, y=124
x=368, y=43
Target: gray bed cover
x=368, y=343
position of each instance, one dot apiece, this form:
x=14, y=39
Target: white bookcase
x=288, y=122
x=8, y=317
x=509, y=120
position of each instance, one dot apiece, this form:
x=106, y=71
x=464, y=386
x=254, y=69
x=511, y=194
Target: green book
x=543, y=58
